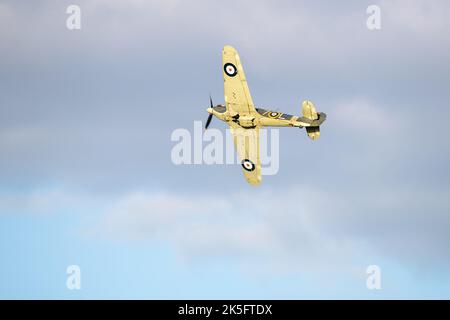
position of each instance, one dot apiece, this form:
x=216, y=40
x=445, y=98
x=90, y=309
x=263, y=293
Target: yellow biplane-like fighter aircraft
x=245, y=119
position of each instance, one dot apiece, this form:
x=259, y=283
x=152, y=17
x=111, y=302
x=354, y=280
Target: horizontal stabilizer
x=313, y=132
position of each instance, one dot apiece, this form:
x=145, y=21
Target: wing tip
x=229, y=48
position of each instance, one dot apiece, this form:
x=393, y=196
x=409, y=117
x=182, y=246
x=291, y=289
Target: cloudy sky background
x=86, y=176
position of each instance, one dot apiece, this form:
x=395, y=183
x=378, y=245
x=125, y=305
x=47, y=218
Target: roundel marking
x=273, y=114
x=248, y=165
x=230, y=69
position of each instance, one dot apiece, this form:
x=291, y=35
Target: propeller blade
x=208, y=121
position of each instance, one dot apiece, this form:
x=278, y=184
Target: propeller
x=208, y=121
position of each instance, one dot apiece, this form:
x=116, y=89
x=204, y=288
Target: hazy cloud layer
x=296, y=229
x=86, y=117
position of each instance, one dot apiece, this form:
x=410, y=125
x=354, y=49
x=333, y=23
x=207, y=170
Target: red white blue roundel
x=274, y=114
x=230, y=69
x=248, y=165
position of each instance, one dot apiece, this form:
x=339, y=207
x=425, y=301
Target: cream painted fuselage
x=265, y=118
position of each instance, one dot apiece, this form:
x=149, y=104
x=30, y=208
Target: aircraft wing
x=237, y=94
x=246, y=142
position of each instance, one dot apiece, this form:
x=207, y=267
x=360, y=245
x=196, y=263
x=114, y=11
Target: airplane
x=245, y=119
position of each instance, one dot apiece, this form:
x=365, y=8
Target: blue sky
x=86, y=176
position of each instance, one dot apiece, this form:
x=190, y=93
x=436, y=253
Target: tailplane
x=313, y=132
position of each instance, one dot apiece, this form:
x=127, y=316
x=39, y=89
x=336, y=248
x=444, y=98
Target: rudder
x=309, y=111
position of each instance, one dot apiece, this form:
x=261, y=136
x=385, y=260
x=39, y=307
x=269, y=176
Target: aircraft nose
x=209, y=110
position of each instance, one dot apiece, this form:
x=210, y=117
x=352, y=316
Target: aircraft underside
x=245, y=120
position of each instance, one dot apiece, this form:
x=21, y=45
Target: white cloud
x=291, y=229
x=228, y=226
x=320, y=35
x=296, y=229
x=41, y=202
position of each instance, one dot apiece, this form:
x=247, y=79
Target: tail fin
x=309, y=111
